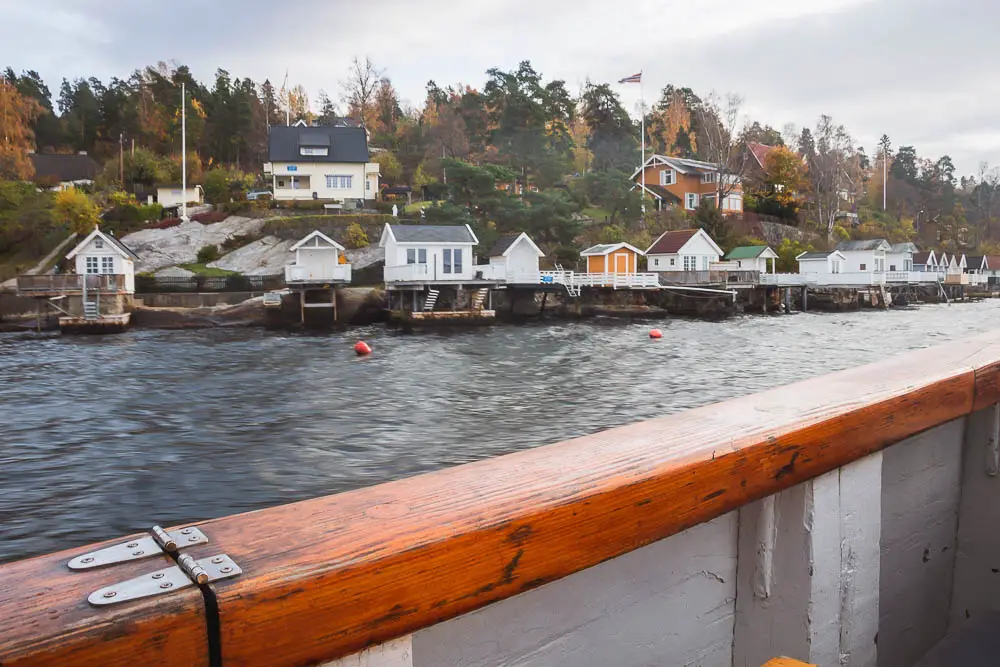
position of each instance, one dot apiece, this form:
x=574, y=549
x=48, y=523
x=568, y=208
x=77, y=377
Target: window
x=314, y=151
x=447, y=260
x=710, y=177
x=690, y=201
x=656, y=261
x=836, y=266
x=673, y=261
x=98, y=242
x=458, y=260
x=338, y=182
x=864, y=267
x=422, y=256
x=690, y=263
x=892, y=267
x=368, y=185
x=704, y=263
x=107, y=265
x=92, y=265
x=668, y=177
x=411, y=256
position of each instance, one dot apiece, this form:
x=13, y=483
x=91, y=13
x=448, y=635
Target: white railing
x=407, y=273
x=490, y=272
x=304, y=274
x=913, y=277
x=788, y=279
x=616, y=280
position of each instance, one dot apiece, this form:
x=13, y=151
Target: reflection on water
x=108, y=435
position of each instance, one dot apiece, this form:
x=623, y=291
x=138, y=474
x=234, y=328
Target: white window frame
x=688, y=198
x=92, y=266
x=339, y=181
x=704, y=262
x=107, y=265
x=690, y=262
x=709, y=177
x=656, y=261
x=98, y=242
x=314, y=151
x=668, y=177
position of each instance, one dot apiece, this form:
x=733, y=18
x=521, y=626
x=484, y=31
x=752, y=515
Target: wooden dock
x=105, y=324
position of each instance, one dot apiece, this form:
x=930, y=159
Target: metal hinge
x=160, y=541
x=187, y=572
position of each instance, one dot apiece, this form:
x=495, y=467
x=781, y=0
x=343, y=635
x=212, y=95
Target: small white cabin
x=428, y=253
x=318, y=259
x=867, y=256
x=515, y=259
x=752, y=258
x=169, y=196
x=822, y=263
x=683, y=250
x=103, y=254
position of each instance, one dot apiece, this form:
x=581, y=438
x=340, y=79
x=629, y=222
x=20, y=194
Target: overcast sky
x=926, y=72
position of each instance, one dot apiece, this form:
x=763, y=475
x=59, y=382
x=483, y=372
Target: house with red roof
x=683, y=250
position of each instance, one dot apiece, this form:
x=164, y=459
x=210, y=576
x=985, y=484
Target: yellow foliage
x=17, y=113
x=786, y=174
x=672, y=121
x=76, y=209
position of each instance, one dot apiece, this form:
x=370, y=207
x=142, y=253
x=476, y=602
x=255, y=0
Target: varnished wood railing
x=327, y=577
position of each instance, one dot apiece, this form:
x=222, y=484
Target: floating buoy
x=362, y=349
x=655, y=333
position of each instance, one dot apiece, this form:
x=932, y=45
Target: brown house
x=673, y=181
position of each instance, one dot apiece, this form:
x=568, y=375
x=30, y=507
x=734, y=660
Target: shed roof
x=671, y=242
x=748, y=252
x=346, y=144
x=505, y=243
x=867, y=244
x=818, y=254
x=432, y=234
x=607, y=248
x=115, y=244
x=905, y=247
x=330, y=243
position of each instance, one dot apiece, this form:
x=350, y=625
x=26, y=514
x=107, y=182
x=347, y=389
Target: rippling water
x=108, y=435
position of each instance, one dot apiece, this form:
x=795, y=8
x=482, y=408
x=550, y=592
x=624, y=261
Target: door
x=621, y=263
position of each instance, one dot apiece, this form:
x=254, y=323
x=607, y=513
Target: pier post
x=805, y=299
x=765, y=300
x=808, y=581
x=788, y=300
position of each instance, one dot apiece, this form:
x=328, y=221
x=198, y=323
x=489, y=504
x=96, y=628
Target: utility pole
x=121, y=159
x=885, y=173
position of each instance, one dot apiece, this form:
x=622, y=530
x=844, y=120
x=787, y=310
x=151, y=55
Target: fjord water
x=103, y=436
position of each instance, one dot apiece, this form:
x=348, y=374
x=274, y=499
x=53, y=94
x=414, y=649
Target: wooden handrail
x=326, y=577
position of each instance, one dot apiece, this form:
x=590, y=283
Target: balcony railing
x=407, y=273
x=339, y=273
x=71, y=282
x=860, y=504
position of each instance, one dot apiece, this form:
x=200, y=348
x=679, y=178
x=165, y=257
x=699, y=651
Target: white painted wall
x=902, y=261
x=822, y=265
x=670, y=603
x=697, y=247
x=522, y=259
x=317, y=173
x=177, y=196
x=855, y=258
x=921, y=487
x=395, y=255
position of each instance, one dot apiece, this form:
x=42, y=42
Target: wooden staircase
x=91, y=311
x=431, y=300
x=480, y=298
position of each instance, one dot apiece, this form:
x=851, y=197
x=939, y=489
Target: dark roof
x=346, y=144
x=867, y=244
x=121, y=246
x=815, y=255
x=921, y=257
x=974, y=261
x=671, y=242
x=65, y=168
x=432, y=234
x=502, y=244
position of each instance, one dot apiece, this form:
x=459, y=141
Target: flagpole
x=288, y=102
x=642, y=128
x=184, y=169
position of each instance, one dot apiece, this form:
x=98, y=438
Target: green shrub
x=386, y=206
x=150, y=212
x=238, y=283
x=207, y=254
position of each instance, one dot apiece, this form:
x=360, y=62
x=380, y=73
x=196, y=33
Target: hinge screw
x=226, y=569
x=193, y=538
x=132, y=545
x=158, y=575
x=88, y=559
x=138, y=553
x=218, y=559
x=110, y=594
x=187, y=531
x=166, y=584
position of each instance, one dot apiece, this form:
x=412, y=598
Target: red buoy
x=362, y=349
x=655, y=333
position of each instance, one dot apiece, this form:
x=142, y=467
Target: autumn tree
x=833, y=170
x=17, y=140
x=785, y=173
x=77, y=211
x=362, y=81
x=670, y=126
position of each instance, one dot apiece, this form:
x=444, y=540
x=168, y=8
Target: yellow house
x=618, y=258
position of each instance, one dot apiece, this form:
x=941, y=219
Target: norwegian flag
x=635, y=78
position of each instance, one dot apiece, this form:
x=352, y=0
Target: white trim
x=110, y=243
x=527, y=238
x=313, y=235
x=687, y=198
